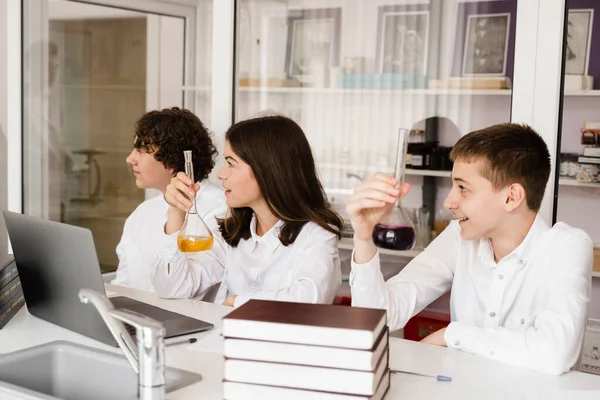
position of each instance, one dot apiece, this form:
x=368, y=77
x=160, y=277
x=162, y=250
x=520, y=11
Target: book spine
x=589, y=160
x=591, y=151
x=9, y=291
x=8, y=274
x=9, y=310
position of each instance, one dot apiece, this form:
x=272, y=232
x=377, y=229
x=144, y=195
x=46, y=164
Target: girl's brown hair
x=281, y=160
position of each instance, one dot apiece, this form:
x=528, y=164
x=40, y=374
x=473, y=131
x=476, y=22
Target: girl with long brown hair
x=280, y=233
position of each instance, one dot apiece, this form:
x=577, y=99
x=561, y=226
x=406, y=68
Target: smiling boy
x=520, y=288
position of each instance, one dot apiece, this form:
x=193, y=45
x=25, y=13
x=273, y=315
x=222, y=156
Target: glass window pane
x=197, y=94
x=579, y=169
x=90, y=72
x=352, y=73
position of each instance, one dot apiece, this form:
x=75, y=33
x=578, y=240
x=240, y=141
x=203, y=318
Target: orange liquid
x=190, y=244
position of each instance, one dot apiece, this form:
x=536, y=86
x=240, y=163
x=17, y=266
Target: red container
x=424, y=324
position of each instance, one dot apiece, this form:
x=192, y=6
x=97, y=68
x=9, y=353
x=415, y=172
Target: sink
x=69, y=371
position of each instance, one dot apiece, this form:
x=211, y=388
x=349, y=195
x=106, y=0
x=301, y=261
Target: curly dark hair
x=167, y=133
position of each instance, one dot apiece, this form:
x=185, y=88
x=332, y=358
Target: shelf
x=104, y=87
x=575, y=93
x=439, y=174
x=347, y=244
x=443, y=92
x=428, y=172
x=437, y=92
x=574, y=182
x=357, y=168
x=368, y=168
x=309, y=90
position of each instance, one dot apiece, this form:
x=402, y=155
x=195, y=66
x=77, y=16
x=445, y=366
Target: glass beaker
x=194, y=234
x=395, y=231
x=441, y=220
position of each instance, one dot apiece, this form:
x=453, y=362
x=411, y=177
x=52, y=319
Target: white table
x=473, y=377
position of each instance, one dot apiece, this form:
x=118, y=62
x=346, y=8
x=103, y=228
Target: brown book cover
x=8, y=272
x=589, y=137
x=11, y=308
x=9, y=291
x=243, y=391
x=316, y=324
x=308, y=377
x=302, y=354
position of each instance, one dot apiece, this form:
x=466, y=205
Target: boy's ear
x=515, y=196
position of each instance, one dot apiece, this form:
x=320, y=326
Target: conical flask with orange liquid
x=194, y=234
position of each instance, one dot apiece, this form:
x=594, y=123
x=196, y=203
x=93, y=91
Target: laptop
x=55, y=261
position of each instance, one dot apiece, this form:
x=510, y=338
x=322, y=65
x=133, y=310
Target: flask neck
x=193, y=210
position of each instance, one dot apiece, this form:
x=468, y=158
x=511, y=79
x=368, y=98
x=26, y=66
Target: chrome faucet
x=147, y=358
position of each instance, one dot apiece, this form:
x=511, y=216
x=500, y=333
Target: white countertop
x=473, y=377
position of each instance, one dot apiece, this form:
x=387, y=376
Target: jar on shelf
x=588, y=173
x=568, y=164
x=416, y=136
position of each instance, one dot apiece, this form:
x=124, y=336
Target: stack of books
x=282, y=350
x=11, y=293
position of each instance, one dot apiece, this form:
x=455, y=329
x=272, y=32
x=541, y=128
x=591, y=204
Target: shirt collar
x=270, y=238
x=524, y=250
x=528, y=245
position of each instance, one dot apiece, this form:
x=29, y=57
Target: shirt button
x=522, y=321
x=500, y=276
x=457, y=342
x=520, y=262
x=492, y=353
x=492, y=314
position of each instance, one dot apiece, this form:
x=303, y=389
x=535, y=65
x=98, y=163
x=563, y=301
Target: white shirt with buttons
x=260, y=267
x=306, y=271
x=527, y=310
x=144, y=242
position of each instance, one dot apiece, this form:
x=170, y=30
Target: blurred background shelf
x=309, y=90
x=346, y=244
x=575, y=182
x=428, y=172
x=436, y=92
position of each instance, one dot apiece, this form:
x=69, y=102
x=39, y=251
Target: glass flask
x=194, y=234
x=395, y=230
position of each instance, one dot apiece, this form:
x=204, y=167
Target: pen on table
x=179, y=340
x=440, y=378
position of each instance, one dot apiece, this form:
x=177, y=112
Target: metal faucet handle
x=104, y=306
x=151, y=347
x=147, y=358
x=144, y=325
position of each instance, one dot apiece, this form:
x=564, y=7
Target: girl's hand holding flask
x=194, y=234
